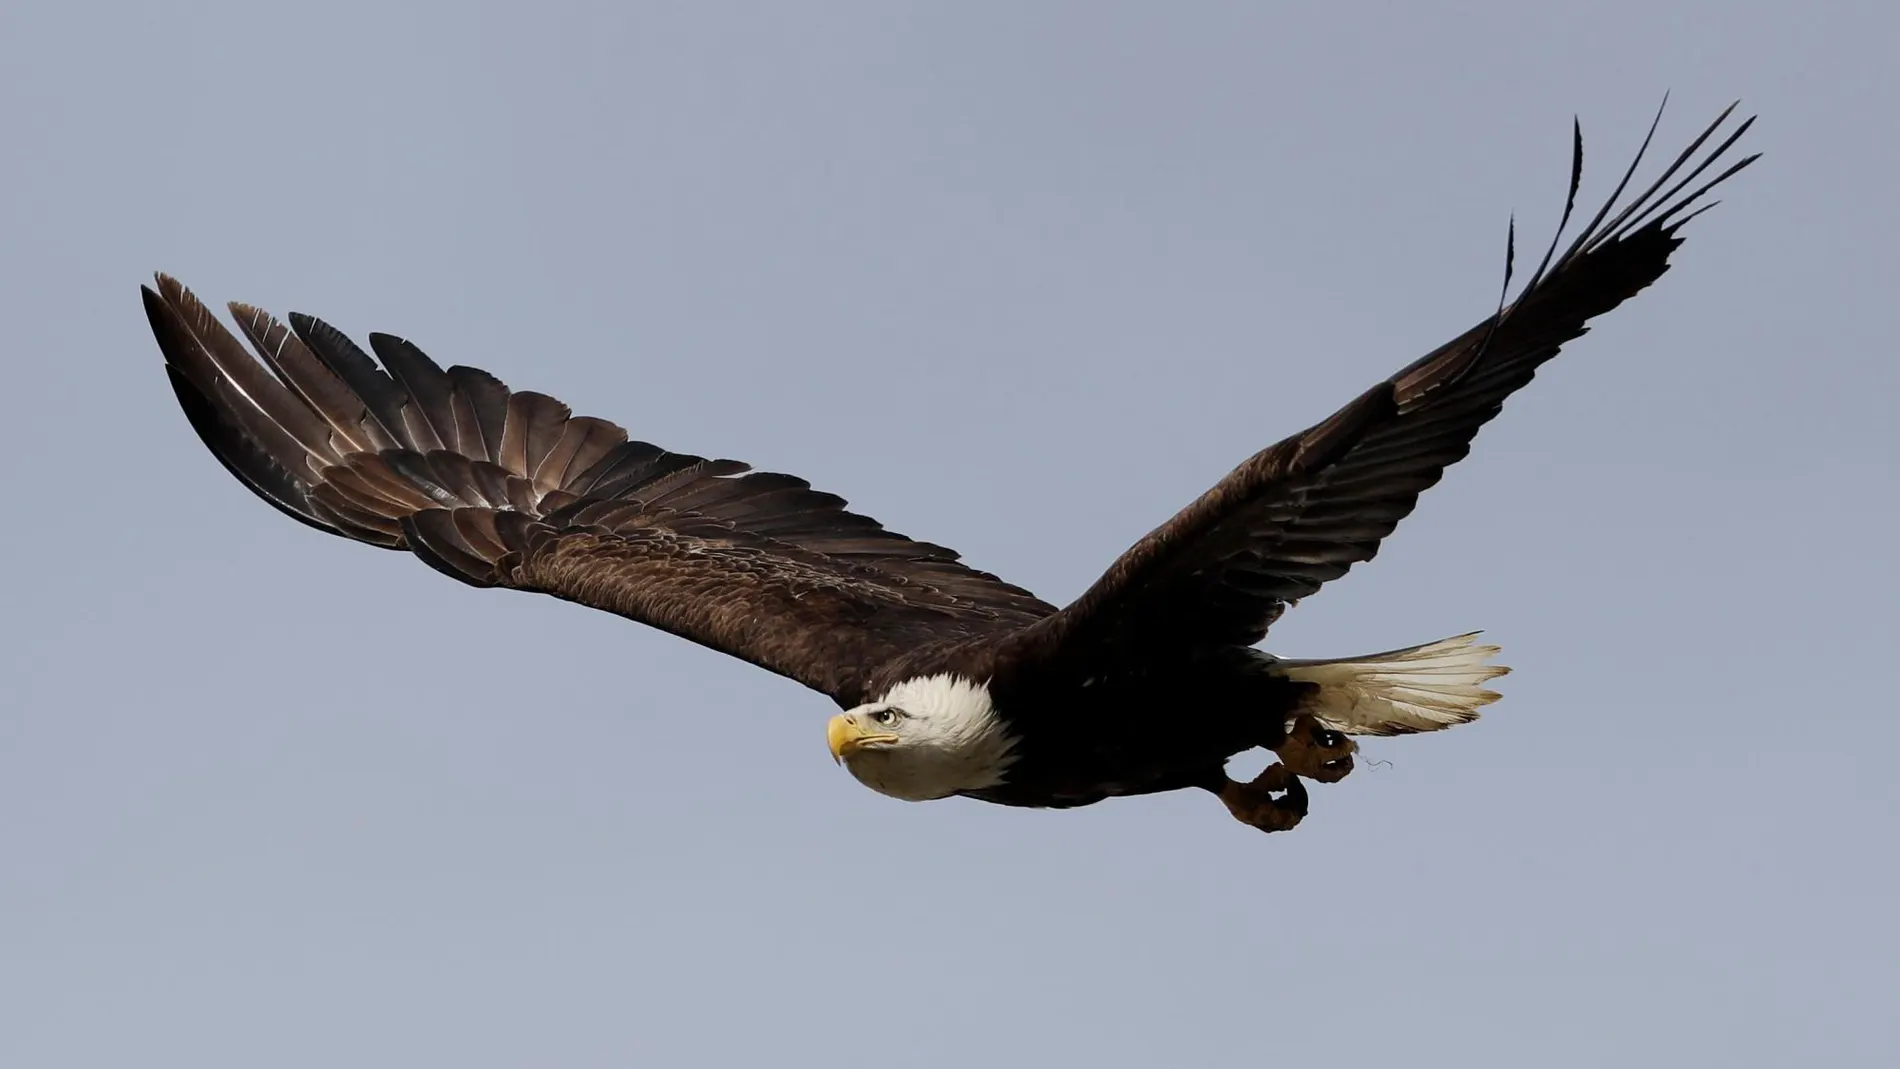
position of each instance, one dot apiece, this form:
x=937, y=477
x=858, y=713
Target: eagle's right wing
x=1301, y=513
x=501, y=488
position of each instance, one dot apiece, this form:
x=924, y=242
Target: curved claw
x=1275, y=800
x=1316, y=751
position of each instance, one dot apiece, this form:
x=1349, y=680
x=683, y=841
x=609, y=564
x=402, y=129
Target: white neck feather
x=953, y=741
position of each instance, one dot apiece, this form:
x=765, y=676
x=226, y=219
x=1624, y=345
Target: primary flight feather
x=950, y=680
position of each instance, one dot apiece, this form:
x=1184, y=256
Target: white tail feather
x=1424, y=688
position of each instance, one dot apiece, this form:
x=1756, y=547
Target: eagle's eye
x=886, y=717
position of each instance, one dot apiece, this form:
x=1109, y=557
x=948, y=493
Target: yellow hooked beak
x=846, y=735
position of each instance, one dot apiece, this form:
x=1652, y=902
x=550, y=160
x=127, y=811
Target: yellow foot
x=1317, y=752
x=1274, y=801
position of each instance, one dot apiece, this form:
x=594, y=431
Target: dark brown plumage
x=508, y=489
x=1303, y=511
x=502, y=488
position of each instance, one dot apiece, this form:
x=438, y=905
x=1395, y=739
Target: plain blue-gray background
x=1022, y=279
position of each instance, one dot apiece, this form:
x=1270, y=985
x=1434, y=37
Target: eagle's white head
x=925, y=738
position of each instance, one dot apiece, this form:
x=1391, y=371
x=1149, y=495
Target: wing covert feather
x=1302, y=512
x=502, y=488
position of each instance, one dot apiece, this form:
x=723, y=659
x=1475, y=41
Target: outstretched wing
x=502, y=488
x=1304, y=511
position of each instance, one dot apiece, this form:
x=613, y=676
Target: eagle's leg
x=1313, y=750
x=1274, y=801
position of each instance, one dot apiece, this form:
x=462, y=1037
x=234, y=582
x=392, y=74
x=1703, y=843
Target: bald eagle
x=950, y=681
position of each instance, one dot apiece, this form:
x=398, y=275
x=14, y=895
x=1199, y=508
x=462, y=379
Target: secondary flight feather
x=949, y=680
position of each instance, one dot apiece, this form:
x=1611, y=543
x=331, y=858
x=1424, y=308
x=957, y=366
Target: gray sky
x=1021, y=279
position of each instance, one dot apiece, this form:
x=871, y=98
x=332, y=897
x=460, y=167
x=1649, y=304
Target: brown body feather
x=501, y=488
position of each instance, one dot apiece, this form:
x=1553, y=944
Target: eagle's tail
x=1424, y=688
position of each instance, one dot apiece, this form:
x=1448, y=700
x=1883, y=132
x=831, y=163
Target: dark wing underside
x=1302, y=512
x=502, y=488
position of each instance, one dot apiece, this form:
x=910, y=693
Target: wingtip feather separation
x=451, y=464
x=1623, y=248
x=1659, y=208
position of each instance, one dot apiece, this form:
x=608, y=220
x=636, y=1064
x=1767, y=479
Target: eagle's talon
x=1274, y=801
x=1316, y=751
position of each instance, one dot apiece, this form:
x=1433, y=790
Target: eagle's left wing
x=1302, y=512
x=508, y=488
